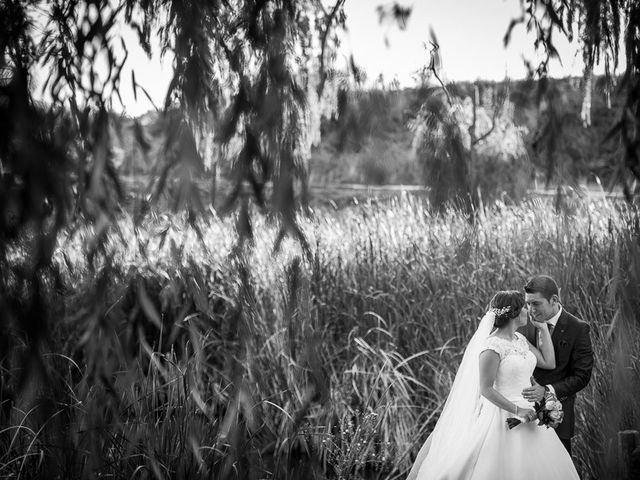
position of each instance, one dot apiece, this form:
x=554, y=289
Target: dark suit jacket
x=574, y=361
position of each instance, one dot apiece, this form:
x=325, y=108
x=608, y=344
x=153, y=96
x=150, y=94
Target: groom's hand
x=534, y=393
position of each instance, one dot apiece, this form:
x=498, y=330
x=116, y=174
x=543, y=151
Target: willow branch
x=323, y=45
x=494, y=118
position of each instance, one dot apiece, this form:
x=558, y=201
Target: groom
x=572, y=346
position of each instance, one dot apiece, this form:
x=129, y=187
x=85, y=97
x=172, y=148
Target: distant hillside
x=374, y=144
x=369, y=141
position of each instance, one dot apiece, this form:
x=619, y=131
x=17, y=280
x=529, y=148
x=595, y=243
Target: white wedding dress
x=489, y=450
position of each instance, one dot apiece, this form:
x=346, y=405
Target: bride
x=471, y=440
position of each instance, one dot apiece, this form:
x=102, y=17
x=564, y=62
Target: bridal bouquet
x=548, y=410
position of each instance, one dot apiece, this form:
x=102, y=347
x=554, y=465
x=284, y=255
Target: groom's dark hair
x=544, y=285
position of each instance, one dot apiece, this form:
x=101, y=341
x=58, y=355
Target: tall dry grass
x=200, y=360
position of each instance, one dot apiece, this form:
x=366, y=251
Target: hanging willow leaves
x=239, y=75
x=600, y=24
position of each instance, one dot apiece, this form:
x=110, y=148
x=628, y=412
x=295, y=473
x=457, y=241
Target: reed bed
x=174, y=355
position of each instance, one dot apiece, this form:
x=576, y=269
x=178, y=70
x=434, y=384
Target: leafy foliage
x=599, y=26
x=471, y=151
x=440, y=143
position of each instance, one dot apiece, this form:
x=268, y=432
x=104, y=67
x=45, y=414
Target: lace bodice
x=516, y=365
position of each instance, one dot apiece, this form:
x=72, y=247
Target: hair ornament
x=501, y=311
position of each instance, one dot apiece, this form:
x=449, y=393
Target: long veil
x=462, y=406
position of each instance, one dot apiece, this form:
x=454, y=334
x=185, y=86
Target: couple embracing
x=525, y=348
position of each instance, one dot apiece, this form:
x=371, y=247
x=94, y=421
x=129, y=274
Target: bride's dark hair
x=506, y=305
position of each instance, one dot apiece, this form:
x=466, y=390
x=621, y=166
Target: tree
x=600, y=25
x=471, y=151
x=469, y=147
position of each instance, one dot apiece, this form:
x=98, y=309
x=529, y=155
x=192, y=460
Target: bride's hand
x=529, y=414
x=538, y=325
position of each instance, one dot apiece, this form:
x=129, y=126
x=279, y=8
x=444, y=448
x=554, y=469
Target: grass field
x=180, y=357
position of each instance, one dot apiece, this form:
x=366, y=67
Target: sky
x=470, y=34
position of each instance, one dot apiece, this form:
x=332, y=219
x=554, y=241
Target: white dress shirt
x=553, y=320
